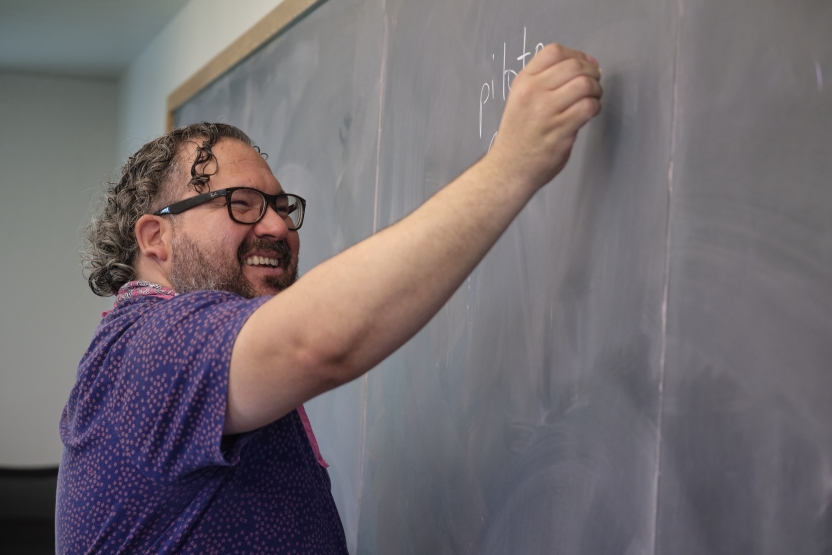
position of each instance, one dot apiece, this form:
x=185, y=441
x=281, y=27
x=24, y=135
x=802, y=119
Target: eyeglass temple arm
x=181, y=206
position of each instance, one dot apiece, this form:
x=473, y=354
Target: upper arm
x=272, y=371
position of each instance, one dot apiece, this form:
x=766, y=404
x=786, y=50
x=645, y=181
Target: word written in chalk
x=489, y=92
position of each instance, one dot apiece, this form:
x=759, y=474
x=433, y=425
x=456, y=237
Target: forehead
x=237, y=165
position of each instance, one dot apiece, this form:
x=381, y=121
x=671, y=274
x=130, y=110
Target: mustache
x=280, y=248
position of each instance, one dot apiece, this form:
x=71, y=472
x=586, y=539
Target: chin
x=273, y=286
x=265, y=290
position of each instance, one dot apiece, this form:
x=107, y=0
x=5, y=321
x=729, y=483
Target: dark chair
x=27, y=511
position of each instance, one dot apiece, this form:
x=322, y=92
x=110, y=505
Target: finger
x=563, y=72
x=549, y=55
x=576, y=89
x=578, y=114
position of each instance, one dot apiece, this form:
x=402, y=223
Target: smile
x=262, y=261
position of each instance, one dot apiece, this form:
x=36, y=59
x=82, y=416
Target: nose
x=271, y=225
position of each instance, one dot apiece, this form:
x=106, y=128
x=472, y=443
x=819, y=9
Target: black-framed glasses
x=246, y=205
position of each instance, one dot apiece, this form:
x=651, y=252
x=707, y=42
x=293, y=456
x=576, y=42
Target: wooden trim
x=279, y=19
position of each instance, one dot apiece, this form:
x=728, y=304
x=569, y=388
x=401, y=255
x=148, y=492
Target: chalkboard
x=643, y=363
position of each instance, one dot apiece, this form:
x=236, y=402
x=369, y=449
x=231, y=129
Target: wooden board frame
x=275, y=22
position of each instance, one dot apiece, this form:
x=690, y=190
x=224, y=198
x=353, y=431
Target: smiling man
x=259, y=257
x=185, y=431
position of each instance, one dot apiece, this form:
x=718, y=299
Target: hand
x=550, y=100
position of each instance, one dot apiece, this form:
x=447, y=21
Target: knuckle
x=589, y=107
x=555, y=49
x=580, y=111
x=574, y=65
x=586, y=85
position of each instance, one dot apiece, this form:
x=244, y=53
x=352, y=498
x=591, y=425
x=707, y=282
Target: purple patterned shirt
x=146, y=468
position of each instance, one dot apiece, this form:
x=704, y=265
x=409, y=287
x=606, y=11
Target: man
x=185, y=431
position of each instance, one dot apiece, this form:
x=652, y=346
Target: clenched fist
x=550, y=100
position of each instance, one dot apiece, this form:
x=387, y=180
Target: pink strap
x=311, y=435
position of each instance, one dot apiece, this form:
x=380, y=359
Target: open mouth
x=265, y=254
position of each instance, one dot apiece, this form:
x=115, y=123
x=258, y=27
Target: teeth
x=261, y=261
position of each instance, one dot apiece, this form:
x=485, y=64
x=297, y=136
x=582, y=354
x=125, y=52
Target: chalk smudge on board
x=819, y=74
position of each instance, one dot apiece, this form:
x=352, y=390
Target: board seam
x=666, y=285
x=375, y=230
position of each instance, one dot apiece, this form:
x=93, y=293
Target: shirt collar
x=133, y=289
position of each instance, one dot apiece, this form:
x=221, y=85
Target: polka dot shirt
x=146, y=468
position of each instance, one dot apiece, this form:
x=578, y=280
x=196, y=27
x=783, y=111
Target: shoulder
x=205, y=318
x=150, y=310
x=201, y=313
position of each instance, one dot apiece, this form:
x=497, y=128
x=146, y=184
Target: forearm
x=366, y=302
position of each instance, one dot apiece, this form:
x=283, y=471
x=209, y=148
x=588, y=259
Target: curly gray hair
x=147, y=184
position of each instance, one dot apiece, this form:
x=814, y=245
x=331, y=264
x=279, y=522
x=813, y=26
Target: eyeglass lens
x=248, y=205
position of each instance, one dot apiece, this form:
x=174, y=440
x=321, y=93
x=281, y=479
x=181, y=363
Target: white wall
x=57, y=146
x=198, y=33
x=61, y=138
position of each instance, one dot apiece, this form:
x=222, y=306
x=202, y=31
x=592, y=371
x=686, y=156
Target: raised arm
x=349, y=313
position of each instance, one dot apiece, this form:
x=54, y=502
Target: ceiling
x=92, y=38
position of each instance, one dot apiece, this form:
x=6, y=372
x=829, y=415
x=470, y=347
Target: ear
x=154, y=235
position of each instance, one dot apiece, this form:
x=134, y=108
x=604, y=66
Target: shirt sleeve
x=172, y=386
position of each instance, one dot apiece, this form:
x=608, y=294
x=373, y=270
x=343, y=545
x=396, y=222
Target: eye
x=241, y=204
x=246, y=200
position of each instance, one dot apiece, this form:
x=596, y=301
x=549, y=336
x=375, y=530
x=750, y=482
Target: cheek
x=229, y=245
x=294, y=243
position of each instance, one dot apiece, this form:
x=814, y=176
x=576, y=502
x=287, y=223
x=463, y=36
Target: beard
x=196, y=270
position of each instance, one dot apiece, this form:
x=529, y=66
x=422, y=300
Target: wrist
x=508, y=172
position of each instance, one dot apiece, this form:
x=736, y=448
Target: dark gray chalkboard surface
x=643, y=363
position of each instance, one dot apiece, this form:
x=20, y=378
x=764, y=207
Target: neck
x=147, y=270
